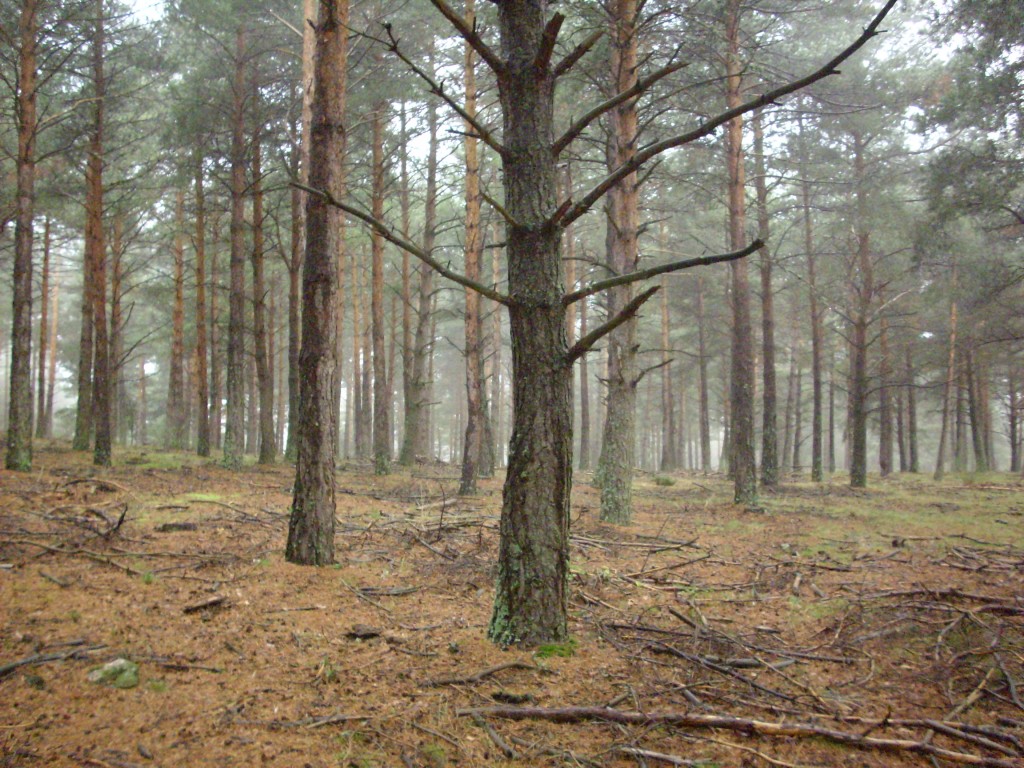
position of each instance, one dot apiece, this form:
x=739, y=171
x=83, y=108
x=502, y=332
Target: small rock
x=119, y=673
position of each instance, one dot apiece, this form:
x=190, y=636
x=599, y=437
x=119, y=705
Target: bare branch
x=638, y=88
x=394, y=238
x=646, y=274
x=547, y=47
x=470, y=36
x=584, y=345
x=438, y=90
x=500, y=209
x=712, y=124
x=576, y=54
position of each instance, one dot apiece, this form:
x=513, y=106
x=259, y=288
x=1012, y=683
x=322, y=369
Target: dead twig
x=43, y=658
x=476, y=677
x=740, y=724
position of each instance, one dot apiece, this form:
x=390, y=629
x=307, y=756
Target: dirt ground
x=830, y=628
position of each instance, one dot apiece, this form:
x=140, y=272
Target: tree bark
x=19, y=418
x=741, y=392
x=119, y=408
x=616, y=463
x=264, y=375
x=234, y=437
x=864, y=290
x=885, y=445
x=202, y=352
x=216, y=409
x=311, y=525
x=950, y=381
x=98, y=252
x=44, y=331
x=473, y=441
x=817, y=329
x=175, y=435
x=416, y=435
x=704, y=405
x=769, y=395
x=381, y=395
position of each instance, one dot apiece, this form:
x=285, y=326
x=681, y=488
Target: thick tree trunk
x=311, y=527
x=741, y=392
x=234, y=437
x=381, y=395
x=532, y=590
x=264, y=375
x=769, y=396
x=19, y=418
x=202, y=374
x=615, y=465
x=175, y=435
x=44, y=331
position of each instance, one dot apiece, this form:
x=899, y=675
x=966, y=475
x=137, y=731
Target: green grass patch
x=559, y=650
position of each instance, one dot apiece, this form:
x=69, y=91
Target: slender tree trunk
x=119, y=408
x=51, y=383
x=44, y=330
x=798, y=423
x=914, y=460
x=19, y=415
x=215, y=352
x=311, y=526
x=381, y=395
x=789, y=414
x=98, y=252
x=669, y=460
x=741, y=395
x=864, y=290
x=976, y=411
x=264, y=375
x=202, y=374
x=141, y=419
x=950, y=382
x=616, y=463
x=817, y=329
x=960, y=437
x=473, y=442
x=405, y=456
x=769, y=396
x=585, y=439
x=885, y=457
x=234, y=437
x=704, y=405
x=175, y=434
x=831, y=412
x=416, y=434
x=358, y=406
x=1013, y=416
x=309, y=15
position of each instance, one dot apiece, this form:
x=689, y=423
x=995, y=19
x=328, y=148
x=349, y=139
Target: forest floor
x=831, y=628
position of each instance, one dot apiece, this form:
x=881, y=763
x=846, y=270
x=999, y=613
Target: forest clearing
x=889, y=616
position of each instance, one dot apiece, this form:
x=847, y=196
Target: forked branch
x=577, y=53
x=584, y=345
x=646, y=274
x=469, y=34
x=394, y=238
x=712, y=124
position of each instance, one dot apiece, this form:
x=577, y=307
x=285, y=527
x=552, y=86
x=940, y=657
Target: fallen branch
x=740, y=724
x=42, y=658
x=478, y=676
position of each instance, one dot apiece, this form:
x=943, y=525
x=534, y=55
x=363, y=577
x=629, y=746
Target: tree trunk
x=703, y=406
x=769, y=397
x=119, y=408
x=885, y=457
x=175, y=434
x=914, y=461
x=584, y=459
x=741, y=393
x=311, y=526
x=789, y=413
x=215, y=351
x=51, y=383
x=19, y=418
x=202, y=374
x=817, y=329
x=864, y=290
x=44, y=331
x=532, y=588
x=98, y=252
x=141, y=436
x=264, y=375
x=381, y=395
x=234, y=437
x=473, y=442
x=416, y=435
x=947, y=390
x=615, y=465
x=298, y=245
x=668, y=461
